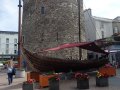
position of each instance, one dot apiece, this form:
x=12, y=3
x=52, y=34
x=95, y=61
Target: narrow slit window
x=43, y=10
x=57, y=36
x=23, y=39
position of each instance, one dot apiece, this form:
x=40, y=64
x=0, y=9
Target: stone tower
x=50, y=23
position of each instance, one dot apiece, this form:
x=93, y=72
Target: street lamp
x=19, y=35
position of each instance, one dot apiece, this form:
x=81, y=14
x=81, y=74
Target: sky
x=103, y=8
x=8, y=15
x=100, y=8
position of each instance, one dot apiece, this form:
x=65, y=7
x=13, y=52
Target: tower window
x=23, y=39
x=43, y=10
x=57, y=36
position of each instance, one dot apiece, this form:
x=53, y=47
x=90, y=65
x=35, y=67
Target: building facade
x=8, y=44
x=50, y=23
x=116, y=25
x=97, y=27
x=101, y=28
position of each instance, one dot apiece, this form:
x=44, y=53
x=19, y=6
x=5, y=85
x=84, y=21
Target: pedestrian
x=10, y=72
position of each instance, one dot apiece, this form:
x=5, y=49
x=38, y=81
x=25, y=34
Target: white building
x=97, y=27
x=8, y=44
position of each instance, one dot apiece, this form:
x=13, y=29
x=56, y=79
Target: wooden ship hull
x=46, y=64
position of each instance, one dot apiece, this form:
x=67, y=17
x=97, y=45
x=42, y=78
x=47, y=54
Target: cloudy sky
x=100, y=8
x=104, y=8
x=8, y=15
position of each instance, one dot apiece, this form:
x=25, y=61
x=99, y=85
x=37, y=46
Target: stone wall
x=49, y=23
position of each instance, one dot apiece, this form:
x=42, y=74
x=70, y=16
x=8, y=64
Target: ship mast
x=80, y=51
x=19, y=35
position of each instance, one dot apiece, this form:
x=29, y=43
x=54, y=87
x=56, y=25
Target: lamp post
x=19, y=35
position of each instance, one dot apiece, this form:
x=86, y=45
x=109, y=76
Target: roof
x=102, y=19
x=117, y=19
x=8, y=32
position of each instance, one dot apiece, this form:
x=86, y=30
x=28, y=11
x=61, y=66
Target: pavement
x=114, y=83
x=16, y=85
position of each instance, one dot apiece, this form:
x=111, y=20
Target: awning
x=84, y=45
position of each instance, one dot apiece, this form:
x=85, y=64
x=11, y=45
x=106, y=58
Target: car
x=1, y=66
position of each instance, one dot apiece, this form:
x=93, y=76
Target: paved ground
x=114, y=83
x=16, y=85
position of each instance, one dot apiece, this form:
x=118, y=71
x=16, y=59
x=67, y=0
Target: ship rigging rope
x=27, y=59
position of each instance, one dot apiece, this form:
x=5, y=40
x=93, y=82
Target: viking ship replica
x=45, y=64
x=54, y=37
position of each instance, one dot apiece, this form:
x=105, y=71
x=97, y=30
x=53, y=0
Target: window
x=7, y=51
x=90, y=56
x=15, y=51
x=102, y=33
x=7, y=48
x=42, y=10
x=23, y=39
x=15, y=46
x=15, y=40
x=115, y=30
x=7, y=40
x=57, y=36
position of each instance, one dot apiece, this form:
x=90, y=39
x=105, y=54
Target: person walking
x=10, y=72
